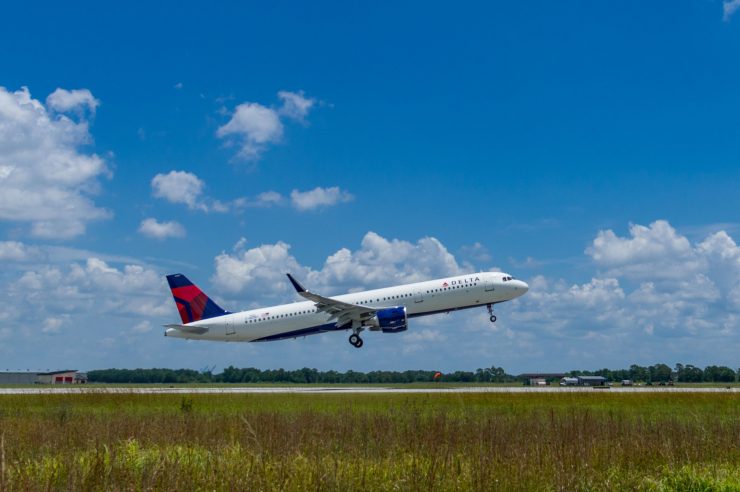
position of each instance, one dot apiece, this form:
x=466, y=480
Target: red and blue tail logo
x=192, y=303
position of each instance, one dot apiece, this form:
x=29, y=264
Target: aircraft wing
x=343, y=312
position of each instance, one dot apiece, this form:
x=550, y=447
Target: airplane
x=386, y=310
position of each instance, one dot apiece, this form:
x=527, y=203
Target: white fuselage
x=301, y=318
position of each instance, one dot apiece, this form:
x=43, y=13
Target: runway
x=160, y=390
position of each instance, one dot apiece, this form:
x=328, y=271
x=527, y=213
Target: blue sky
x=589, y=148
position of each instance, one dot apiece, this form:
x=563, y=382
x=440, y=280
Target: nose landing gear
x=490, y=311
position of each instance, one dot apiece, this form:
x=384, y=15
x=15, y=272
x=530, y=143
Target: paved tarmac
x=159, y=390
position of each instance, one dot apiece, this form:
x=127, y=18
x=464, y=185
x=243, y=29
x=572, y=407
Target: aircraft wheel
x=359, y=343
x=355, y=339
x=493, y=318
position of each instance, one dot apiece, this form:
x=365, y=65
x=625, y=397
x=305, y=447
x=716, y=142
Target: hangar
x=591, y=380
x=66, y=376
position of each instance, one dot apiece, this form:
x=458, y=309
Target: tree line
x=663, y=373
x=299, y=376
x=654, y=373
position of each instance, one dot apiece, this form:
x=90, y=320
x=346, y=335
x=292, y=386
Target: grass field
x=569, y=441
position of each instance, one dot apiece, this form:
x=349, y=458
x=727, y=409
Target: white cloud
x=269, y=198
x=300, y=200
x=295, y=105
x=650, y=251
x=161, y=230
x=426, y=335
x=142, y=327
x=477, y=252
x=45, y=176
x=657, y=283
x=728, y=8
x=266, y=199
x=260, y=271
x=660, y=253
x=88, y=301
x=52, y=325
x=186, y=188
x=13, y=250
x=255, y=269
x=92, y=287
x=179, y=187
x=62, y=100
x=613, y=318
x=319, y=197
x=253, y=126
x=415, y=340
x=646, y=244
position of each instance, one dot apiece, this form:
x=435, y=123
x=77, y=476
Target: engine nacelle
x=390, y=320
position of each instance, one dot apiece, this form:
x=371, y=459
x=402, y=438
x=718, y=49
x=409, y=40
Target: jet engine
x=390, y=320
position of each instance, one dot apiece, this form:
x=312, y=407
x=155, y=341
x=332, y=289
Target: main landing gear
x=490, y=311
x=355, y=340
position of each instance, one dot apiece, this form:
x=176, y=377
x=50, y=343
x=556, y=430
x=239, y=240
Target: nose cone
x=520, y=287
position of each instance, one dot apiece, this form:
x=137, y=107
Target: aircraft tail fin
x=192, y=303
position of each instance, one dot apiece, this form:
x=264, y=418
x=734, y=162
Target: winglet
x=298, y=287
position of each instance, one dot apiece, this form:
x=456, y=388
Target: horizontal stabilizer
x=197, y=330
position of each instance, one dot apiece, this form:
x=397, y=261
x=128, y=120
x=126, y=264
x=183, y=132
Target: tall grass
x=575, y=441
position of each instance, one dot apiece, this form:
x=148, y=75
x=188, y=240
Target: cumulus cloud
x=185, y=188
x=255, y=269
x=378, y=262
x=295, y=105
x=649, y=251
x=300, y=200
x=62, y=100
x=46, y=176
x=656, y=282
x=178, y=187
x=90, y=287
x=319, y=197
x=646, y=245
x=13, y=250
x=252, y=126
x=266, y=199
x=615, y=316
x=728, y=8
x=161, y=230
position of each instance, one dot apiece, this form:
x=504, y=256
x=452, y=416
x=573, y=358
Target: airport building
x=67, y=376
x=591, y=380
x=583, y=381
x=539, y=378
x=566, y=381
x=19, y=377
